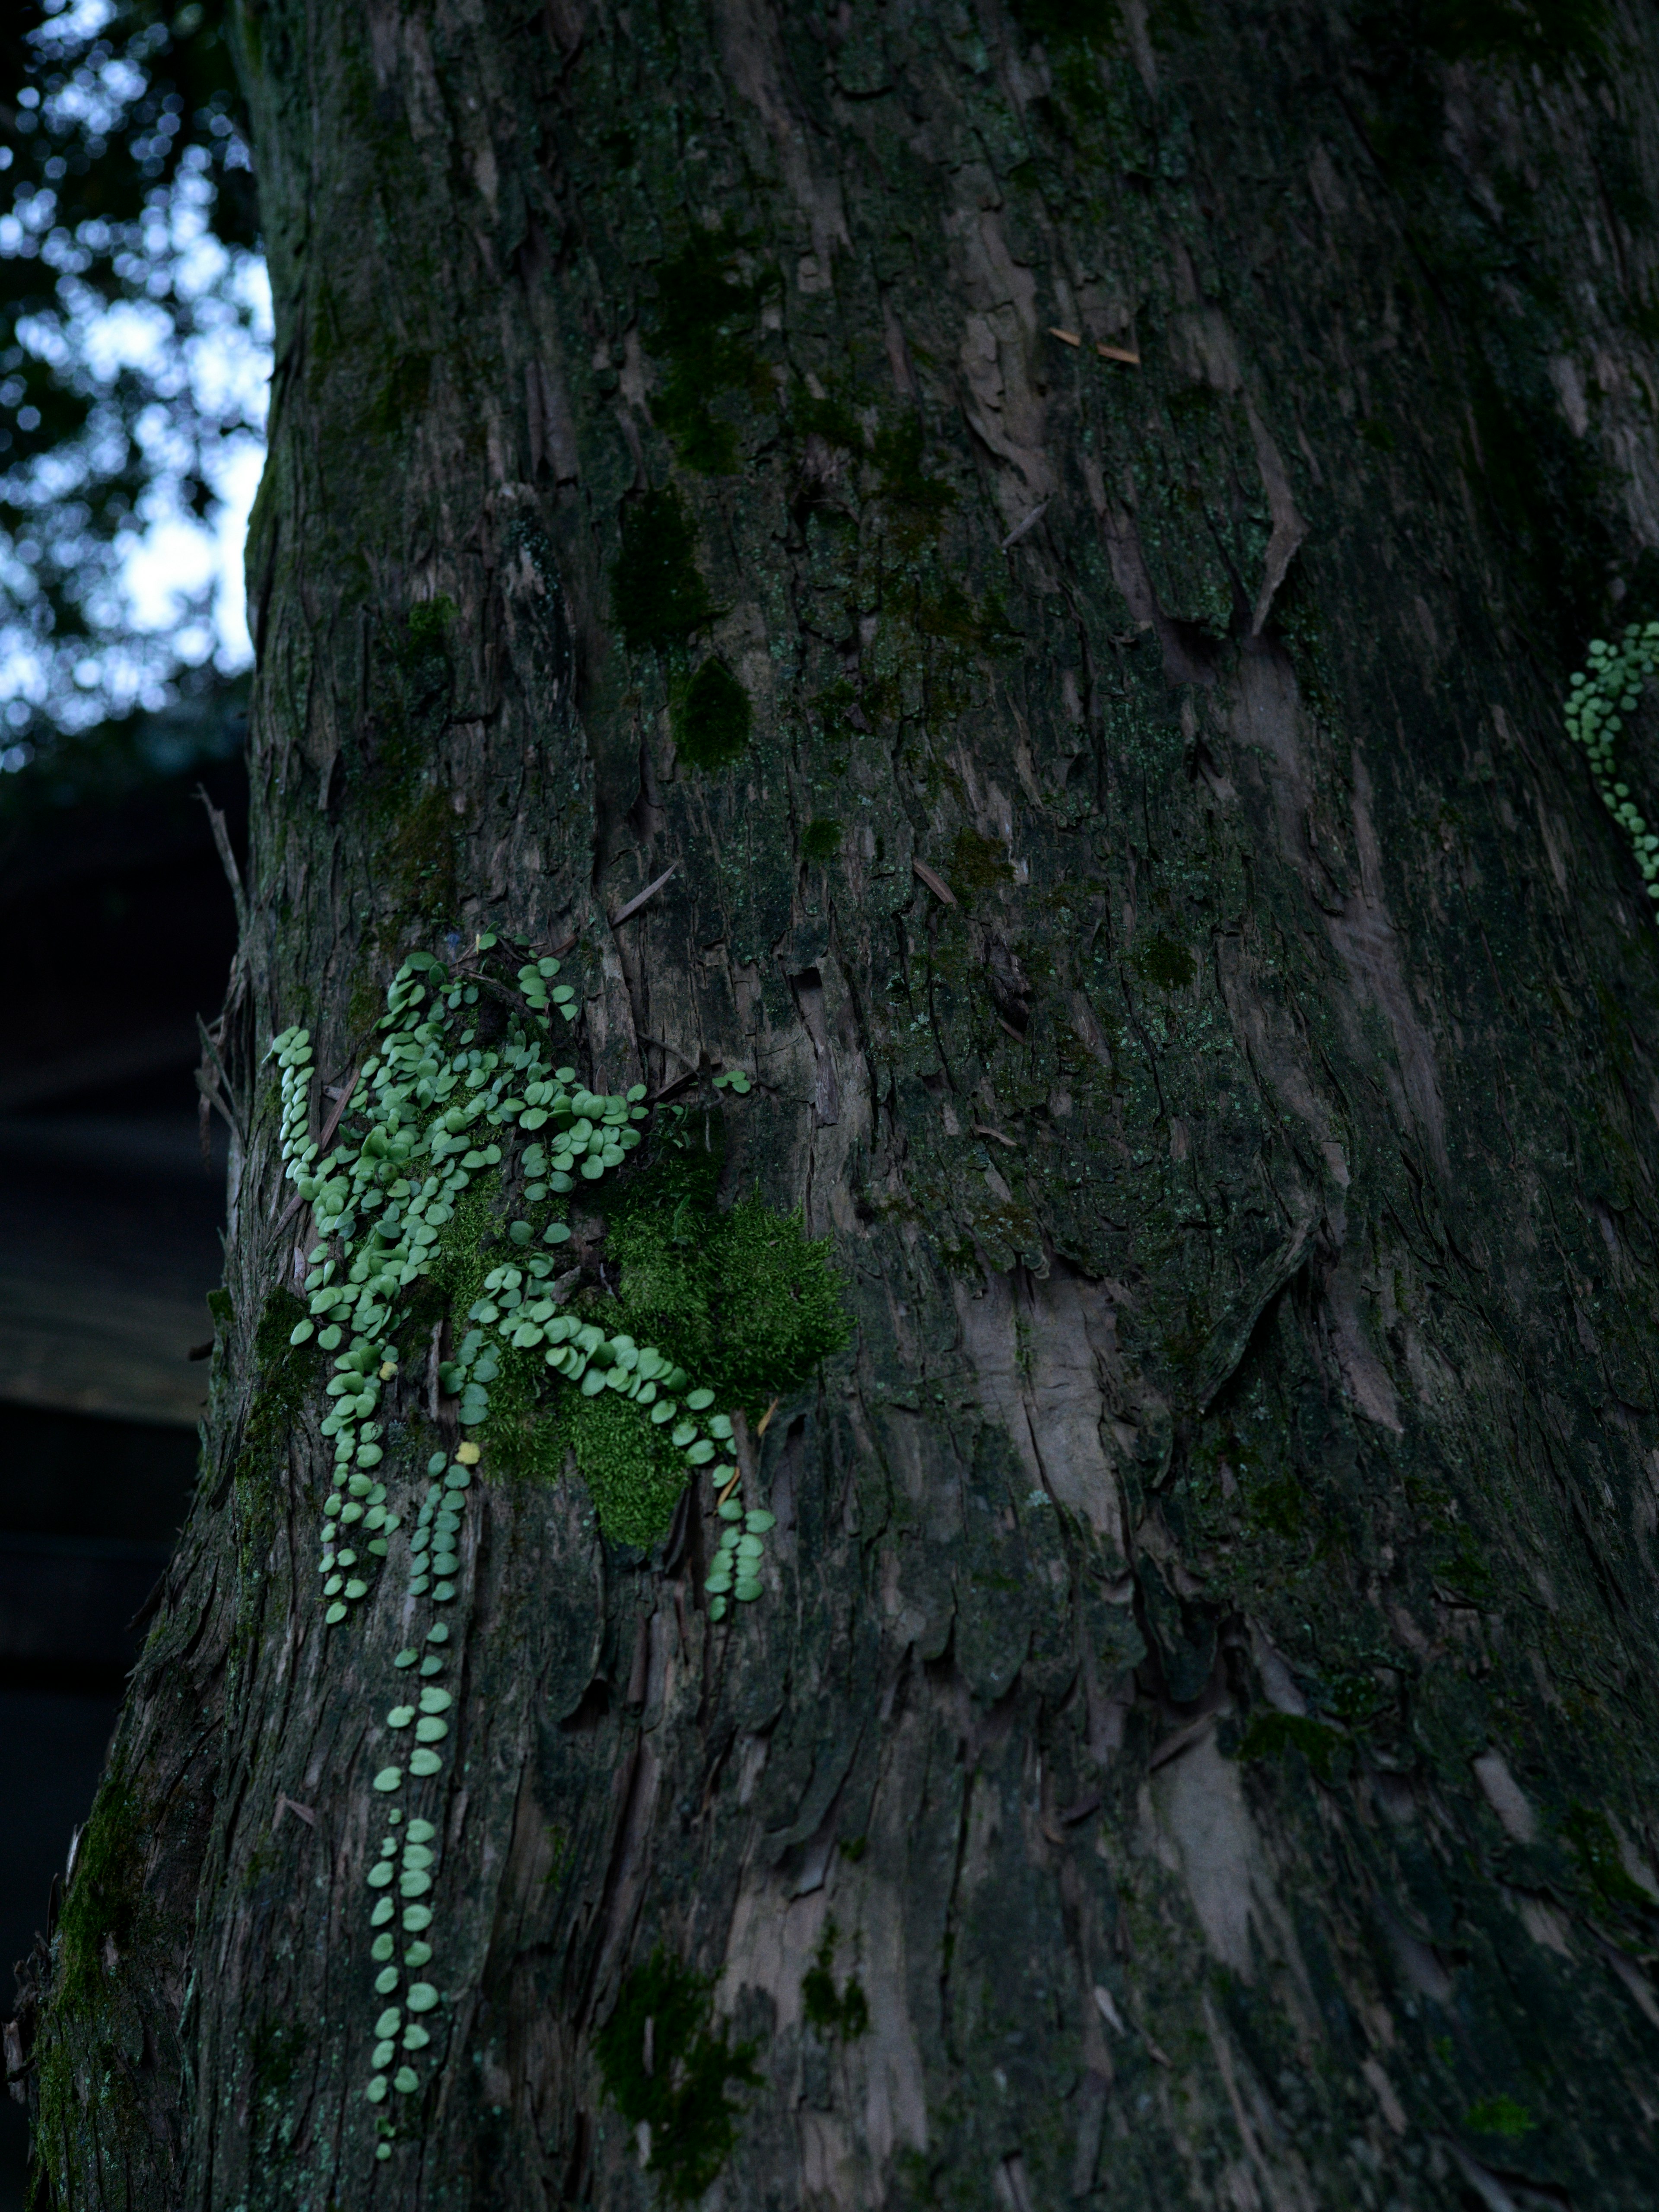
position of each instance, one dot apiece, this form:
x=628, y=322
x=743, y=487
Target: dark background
x=120, y=929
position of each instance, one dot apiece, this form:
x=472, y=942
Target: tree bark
x=1068, y=532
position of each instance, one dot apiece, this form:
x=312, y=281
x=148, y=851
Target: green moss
x=1059, y=23
x=286, y=1374
x=420, y=861
x=1546, y=32
x=428, y=625
x=951, y=615
x=412, y=683
x=1171, y=966
x=364, y=998
x=918, y=503
x=1277, y=1508
x=744, y=1300
x=1274, y=1735
x=634, y=1474
x=527, y=1436
x=702, y=330
x=105, y=1901
x=1589, y=1836
x=712, y=718
x=657, y=595
x=466, y=1243
x=401, y=398
x=830, y=418
x=821, y=840
x=976, y=864
x=275, y=2052
x=776, y=1303
x=1462, y=1569
x=665, y=2062
x=1500, y=2116
x=845, y=2013
x=89, y=2029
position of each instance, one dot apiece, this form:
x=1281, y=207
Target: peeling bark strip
x=1198, y=1746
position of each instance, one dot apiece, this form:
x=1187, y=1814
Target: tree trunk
x=1063, y=537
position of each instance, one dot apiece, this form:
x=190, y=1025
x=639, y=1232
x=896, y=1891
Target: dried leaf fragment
x=936, y=883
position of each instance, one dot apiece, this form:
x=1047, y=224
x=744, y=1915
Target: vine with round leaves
x=428, y=1113
x=1598, y=700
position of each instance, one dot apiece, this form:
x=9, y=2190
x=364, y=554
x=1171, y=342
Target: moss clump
x=1590, y=1837
x=744, y=1300
x=286, y=1372
x=917, y=503
x=412, y=683
x=421, y=859
x=954, y=618
x=634, y=1474
x=976, y=864
x=1500, y=2116
x=1272, y=1735
x=527, y=1434
x=1545, y=34
x=1060, y=22
x=706, y=314
x=656, y=594
x=666, y=2065
x=105, y=1902
x=1170, y=966
x=469, y=1237
x=821, y=840
x=275, y=2052
x=712, y=718
x=846, y=2014
x=87, y=2027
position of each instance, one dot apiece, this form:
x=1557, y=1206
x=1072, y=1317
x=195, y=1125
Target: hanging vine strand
x=429, y=1115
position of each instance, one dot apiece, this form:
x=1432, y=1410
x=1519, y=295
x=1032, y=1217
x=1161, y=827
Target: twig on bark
x=226, y=858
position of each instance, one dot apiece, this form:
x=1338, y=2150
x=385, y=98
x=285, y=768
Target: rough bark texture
x=1205, y=1694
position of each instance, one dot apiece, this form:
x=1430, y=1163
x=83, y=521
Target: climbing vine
x=436, y=1129
x=1598, y=700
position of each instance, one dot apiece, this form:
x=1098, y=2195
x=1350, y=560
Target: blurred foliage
x=205, y=721
x=128, y=251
